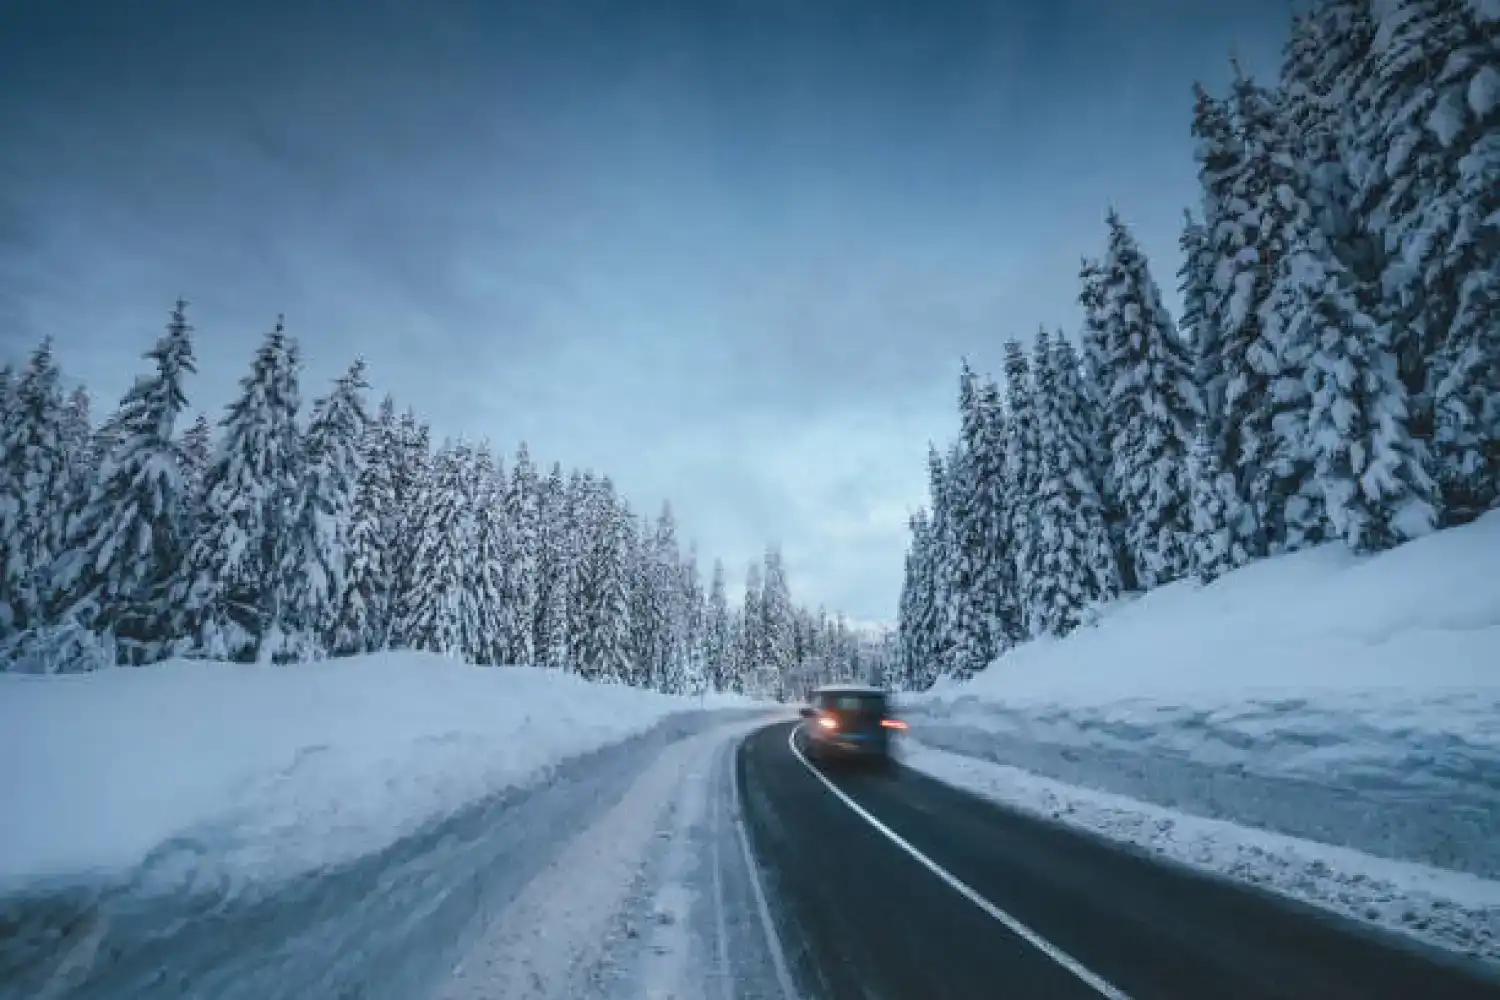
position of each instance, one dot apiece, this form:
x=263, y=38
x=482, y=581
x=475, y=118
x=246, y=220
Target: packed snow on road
x=1320, y=723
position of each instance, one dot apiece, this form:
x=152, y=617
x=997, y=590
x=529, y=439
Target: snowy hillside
x=1346, y=700
x=273, y=770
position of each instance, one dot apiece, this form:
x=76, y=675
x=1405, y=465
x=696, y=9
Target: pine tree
x=777, y=623
x=1022, y=474
x=487, y=640
x=1150, y=413
x=1367, y=468
x=1071, y=558
x=77, y=437
x=520, y=604
x=604, y=589
x=35, y=482
x=411, y=451
x=555, y=573
x=195, y=454
x=1213, y=548
x=364, y=615
x=752, y=647
x=315, y=552
x=1426, y=175
x=1234, y=363
x=235, y=588
x=973, y=478
x=439, y=604
x=718, y=638
x=127, y=543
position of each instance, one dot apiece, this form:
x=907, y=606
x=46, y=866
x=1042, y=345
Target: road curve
x=1050, y=913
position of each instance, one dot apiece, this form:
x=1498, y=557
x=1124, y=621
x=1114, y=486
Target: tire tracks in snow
x=652, y=900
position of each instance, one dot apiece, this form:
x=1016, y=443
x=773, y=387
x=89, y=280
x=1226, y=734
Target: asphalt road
x=1009, y=907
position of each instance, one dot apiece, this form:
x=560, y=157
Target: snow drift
x=1351, y=701
x=289, y=767
x=329, y=829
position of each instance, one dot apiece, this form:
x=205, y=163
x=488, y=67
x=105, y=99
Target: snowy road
x=655, y=899
x=622, y=874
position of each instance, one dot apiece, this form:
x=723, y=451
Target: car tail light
x=827, y=722
x=893, y=723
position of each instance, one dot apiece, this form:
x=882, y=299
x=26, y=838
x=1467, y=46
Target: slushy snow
x=1322, y=697
x=280, y=769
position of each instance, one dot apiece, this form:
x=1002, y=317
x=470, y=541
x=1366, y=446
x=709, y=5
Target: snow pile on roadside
x=1352, y=701
x=1449, y=909
x=277, y=770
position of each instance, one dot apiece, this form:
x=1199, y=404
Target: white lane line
x=773, y=940
x=1031, y=937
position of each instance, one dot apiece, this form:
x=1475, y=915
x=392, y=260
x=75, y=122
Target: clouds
x=727, y=252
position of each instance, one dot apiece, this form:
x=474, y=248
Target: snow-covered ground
x=345, y=826
x=1347, y=701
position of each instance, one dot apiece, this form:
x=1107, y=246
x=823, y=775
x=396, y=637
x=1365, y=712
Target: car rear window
x=854, y=702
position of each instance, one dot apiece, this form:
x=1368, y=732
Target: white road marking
x=773, y=940
x=1031, y=937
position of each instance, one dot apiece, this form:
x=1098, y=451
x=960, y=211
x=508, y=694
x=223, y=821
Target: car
x=851, y=722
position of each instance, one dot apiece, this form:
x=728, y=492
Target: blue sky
x=729, y=253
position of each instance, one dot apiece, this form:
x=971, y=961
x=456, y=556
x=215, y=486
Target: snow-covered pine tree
x=1072, y=560
x=1426, y=174
x=412, y=463
x=1150, y=412
x=1022, y=473
x=437, y=611
x=555, y=573
x=234, y=587
x=1212, y=551
x=998, y=575
x=693, y=654
x=970, y=478
x=752, y=646
x=195, y=452
x=604, y=589
x=35, y=482
x=718, y=639
x=127, y=543
x=78, y=447
x=519, y=614
x=1368, y=471
x=777, y=618
x=315, y=551
x=487, y=639
x=1234, y=362
x=364, y=616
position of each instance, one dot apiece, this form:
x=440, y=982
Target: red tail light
x=827, y=722
x=893, y=723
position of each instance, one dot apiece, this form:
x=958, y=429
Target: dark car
x=850, y=722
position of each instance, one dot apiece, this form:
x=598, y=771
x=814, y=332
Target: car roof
x=848, y=689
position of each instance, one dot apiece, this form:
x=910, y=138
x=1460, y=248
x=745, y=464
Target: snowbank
x=1351, y=701
x=280, y=769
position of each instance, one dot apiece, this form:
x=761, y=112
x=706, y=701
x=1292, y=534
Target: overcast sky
x=729, y=253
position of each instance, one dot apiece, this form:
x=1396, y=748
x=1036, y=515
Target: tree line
x=1334, y=375
x=283, y=537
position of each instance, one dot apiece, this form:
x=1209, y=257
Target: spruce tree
x=127, y=543
x=364, y=616
x=35, y=481
x=1150, y=413
x=235, y=588
x=315, y=553
x=437, y=607
x=718, y=639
